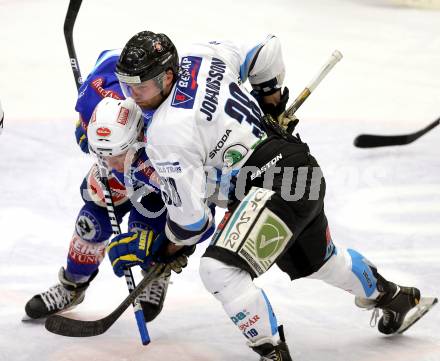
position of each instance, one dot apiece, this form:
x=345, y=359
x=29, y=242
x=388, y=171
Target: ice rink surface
x=383, y=202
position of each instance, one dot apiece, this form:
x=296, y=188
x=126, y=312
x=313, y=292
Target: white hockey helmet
x=114, y=126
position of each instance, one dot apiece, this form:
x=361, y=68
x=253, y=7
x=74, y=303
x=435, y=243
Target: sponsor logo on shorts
x=242, y=218
x=266, y=241
x=271, y=237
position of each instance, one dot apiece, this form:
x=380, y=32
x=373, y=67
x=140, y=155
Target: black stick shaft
x=69, y=23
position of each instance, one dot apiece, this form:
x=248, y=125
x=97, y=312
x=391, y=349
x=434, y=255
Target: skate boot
x=153, y=297
x=270, y=351
x=395, y=301
x=60, y=297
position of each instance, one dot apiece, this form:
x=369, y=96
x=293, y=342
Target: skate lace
x=374, y=316
x=271, y=356
x=56, y=298
x=153, y=292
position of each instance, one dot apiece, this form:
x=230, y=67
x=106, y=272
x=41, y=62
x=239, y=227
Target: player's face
x=150, y=93
x=116, y=162
x=147, y=94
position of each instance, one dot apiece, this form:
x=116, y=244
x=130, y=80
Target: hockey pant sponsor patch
x=254, y=232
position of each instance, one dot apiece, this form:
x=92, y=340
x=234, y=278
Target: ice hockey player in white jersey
x=210, y=138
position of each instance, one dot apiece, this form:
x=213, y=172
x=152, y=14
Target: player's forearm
x=182, y=236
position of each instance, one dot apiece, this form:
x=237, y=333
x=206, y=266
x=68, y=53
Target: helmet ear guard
x=114, y=126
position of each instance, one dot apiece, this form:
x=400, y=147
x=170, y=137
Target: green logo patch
x=271, y=238
x=234, y=154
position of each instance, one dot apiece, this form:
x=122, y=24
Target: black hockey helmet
x=146, y=55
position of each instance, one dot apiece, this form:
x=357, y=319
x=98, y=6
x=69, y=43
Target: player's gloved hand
x=146, y=249
x=278, y=112
x=134, y=248
x=81, y=136
x=174, y=256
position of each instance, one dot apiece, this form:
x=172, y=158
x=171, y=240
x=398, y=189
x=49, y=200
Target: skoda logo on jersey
x=186, y=85
x=103, y=132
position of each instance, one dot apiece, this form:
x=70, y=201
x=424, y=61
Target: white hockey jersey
x=206, y=129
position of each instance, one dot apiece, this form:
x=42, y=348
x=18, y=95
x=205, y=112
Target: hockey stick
x=78, y=328
x=331, y=62
x=69, y=24
x=371, y=140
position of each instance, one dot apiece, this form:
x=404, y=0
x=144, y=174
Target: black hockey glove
x=177, y=260
x=278, y=112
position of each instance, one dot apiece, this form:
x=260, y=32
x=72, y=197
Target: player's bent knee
x=222, y=280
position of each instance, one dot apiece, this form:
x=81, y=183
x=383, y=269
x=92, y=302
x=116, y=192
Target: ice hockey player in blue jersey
x=207, y=125
x=138, y=179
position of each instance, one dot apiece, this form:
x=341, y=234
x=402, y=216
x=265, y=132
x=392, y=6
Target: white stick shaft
x=334, y=58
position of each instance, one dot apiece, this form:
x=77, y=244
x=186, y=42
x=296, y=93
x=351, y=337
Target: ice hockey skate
x=401, y=307
x=60, y=297
x=269, y=351
x=153, y=296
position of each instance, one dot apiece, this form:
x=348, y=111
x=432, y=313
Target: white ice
x=383, y=202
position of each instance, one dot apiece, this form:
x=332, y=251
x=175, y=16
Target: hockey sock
x=349, y=270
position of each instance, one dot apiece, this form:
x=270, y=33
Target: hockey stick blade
x=64, y=326
x=372, y=140
x=425, y=304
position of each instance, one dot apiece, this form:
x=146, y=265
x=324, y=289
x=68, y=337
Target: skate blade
x=425, y=304
x=28, y=319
